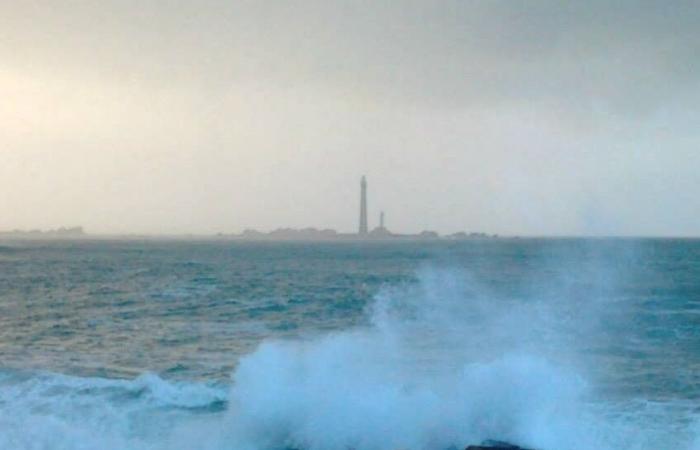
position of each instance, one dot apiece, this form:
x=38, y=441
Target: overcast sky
x=207, y=116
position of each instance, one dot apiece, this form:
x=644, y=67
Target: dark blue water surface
x=132, y=344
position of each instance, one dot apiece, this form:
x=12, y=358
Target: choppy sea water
x=553, y=344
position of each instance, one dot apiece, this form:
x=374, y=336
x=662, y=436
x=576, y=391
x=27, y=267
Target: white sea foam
x=54, y=411
x=443, y=365
x=425, y=375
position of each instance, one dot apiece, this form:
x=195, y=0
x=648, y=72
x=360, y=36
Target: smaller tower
x=381, y=220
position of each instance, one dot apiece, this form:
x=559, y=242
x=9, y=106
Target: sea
x=550, y=344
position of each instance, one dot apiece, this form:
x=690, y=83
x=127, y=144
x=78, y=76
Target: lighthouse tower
x=363, y=207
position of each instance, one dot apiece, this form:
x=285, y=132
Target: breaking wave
x=440, y=364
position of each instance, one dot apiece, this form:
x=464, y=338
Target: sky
x=509, y=117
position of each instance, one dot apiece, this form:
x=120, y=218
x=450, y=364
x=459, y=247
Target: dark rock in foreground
x=495, y=445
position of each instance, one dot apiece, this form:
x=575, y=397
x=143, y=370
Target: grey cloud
x=626, y=55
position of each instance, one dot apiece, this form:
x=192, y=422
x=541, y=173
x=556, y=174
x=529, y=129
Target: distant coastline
x=314, y=234
x=280, y=234
x=57, y=233
x=364, y=232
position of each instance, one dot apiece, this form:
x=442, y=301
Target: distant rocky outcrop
x=496, y=445
x=290, y=234
x=488, y=444
x=378, y=233
x=63, y=232
x=461, y=235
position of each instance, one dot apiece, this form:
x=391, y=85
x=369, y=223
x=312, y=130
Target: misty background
x=526, y=118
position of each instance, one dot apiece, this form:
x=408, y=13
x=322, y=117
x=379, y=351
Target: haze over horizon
x=537, y=118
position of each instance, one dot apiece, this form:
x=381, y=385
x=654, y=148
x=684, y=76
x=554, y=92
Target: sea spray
x=326, y=398
x=431, y=372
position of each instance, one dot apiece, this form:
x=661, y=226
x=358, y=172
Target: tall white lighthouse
x=363, y=207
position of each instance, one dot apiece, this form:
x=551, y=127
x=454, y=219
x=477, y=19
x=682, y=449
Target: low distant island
x=364, y=233
x=315, y=234
x=280, y=234
x=381, y=232
x=58, y=233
